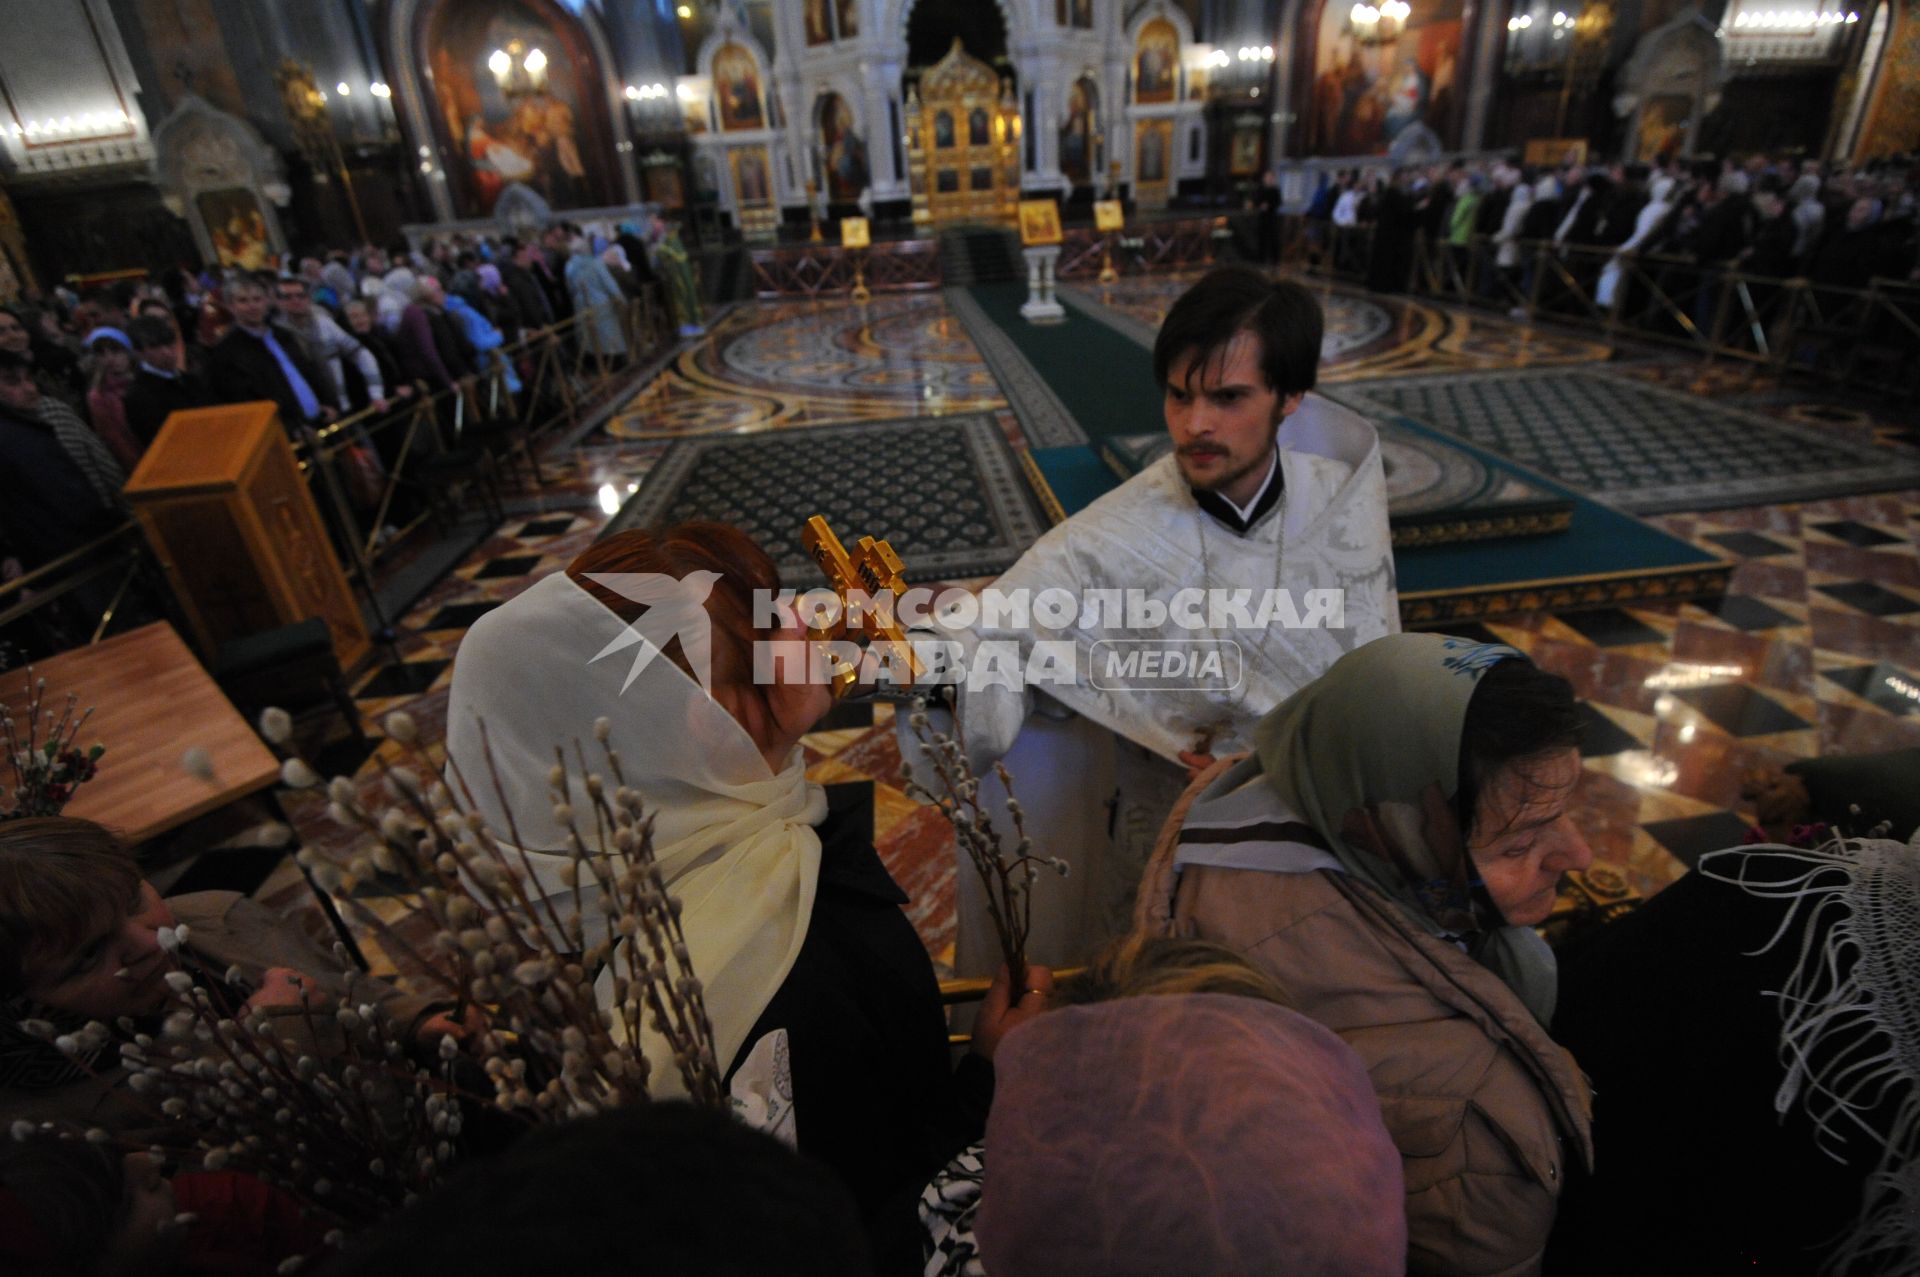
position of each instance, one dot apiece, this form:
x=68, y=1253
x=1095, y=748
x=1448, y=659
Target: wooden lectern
x=229, y=517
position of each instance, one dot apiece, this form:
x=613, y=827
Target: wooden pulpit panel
x=231, y=520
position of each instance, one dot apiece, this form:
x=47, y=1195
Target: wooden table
x=152, y=701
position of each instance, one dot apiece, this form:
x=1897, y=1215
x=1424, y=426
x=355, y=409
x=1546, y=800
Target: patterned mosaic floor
x=1816, y=650
x=1682, y=453
x=1373, y=336
x=804, y=363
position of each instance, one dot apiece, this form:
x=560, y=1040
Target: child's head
x=79, y=923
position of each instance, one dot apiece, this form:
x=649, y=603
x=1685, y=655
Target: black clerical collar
x=1231, y=515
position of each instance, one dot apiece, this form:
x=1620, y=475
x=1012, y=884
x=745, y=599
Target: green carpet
x=1603, y=558
x=1101, y=377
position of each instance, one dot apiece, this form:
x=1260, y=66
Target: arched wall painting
x=736, y=80
x=548, y=131
x=843, y=152
x=1076, y=134
x=1156, y=62
x=1365, y=96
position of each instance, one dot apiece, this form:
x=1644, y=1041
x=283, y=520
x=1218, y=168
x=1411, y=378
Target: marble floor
x=1816, y=650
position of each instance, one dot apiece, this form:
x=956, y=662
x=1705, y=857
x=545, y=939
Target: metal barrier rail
x=1173, y=244
x=119, y=557
x=815, y=270
x=1863, y=336
x=565, y=370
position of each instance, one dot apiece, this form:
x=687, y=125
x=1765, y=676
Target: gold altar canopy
x=965, y=133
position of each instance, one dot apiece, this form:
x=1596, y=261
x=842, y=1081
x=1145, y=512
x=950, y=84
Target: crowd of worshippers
x=86, y=381
x=1320, y=1033
x=1764, y=216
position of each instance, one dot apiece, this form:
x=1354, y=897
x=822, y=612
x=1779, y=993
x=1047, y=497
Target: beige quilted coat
x=1486, y=1109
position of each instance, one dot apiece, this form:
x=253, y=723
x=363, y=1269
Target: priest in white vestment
x=1262, y=538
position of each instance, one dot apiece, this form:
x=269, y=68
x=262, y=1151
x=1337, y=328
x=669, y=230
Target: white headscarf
x=396, y=294
x=735, y=842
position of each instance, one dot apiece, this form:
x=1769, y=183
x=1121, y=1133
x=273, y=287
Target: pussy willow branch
x=1007, y=877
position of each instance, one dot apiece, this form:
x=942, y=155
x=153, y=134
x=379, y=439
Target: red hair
x=743, y=567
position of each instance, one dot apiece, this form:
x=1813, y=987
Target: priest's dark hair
x=1236, y=299
x=655, y=1190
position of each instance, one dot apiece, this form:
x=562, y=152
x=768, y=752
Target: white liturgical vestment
x=1328, y=533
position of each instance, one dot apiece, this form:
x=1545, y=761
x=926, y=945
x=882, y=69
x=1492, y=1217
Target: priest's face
x=1223, y=416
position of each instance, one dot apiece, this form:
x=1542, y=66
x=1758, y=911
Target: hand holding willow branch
x=1007, y=875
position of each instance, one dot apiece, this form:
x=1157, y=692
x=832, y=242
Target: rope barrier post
x=1536, y=278
x=320, y=459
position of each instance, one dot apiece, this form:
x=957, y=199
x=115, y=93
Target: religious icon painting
x=1109, y=215
x=815, y=14
x=1039, y=222
x=736, y=80
x=848, y=11
x=1154, y=142
x=1366, y=95
x=752, y=187
x=514, y=96
x=1156, y=62
x=1076, y=134
x=843, y=152
x=943, y=129
x=1244, y=149
x=236, y=227
x=855, y=232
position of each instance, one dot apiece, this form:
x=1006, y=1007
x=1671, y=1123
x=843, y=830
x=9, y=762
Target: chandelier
x=1378, y=24
x=519, y=71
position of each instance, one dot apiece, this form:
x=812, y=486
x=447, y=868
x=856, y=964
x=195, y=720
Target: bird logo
x=676, y=607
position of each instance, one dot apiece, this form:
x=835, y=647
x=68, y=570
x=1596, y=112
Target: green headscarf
x=1369, y=755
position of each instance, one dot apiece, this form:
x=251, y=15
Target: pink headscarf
x=1201, y=1134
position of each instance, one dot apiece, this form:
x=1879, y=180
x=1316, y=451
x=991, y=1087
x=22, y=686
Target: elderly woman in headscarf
x=1384, y=854
x=425, y=355
x=825, y=1012
x=336, y=285
x=617, y=264
x=597, y=301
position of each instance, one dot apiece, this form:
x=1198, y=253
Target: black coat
x=240, y=369
x=1395, y=221
x=151, y=399
x=47, y=507
x=529, y=297
x=875, y=1097
x=1667, y=1011
x=1772, y=256
x=1724, y=230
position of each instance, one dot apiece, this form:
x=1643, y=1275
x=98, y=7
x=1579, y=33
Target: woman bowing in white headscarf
x=794, y=926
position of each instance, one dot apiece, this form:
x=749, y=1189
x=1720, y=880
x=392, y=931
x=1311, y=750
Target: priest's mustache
x=1201, y=450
